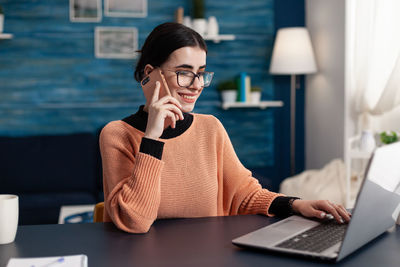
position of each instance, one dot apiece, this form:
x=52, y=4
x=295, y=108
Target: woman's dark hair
x=162, y=41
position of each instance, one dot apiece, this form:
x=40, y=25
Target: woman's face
x=185, y=59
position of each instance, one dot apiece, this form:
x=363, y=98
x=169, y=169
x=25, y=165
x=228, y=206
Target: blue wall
x=51, y=83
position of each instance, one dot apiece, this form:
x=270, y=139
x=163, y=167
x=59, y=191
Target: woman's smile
x=188, y=97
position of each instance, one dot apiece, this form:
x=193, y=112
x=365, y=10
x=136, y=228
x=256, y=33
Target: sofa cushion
x=62, y=163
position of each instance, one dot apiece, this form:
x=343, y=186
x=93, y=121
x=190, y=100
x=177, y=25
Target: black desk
x=177, y=242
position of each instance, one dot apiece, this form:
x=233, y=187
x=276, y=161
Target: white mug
x=8, y=218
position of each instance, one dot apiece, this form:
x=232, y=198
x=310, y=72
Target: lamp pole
x=292, y=124
x=292, y=55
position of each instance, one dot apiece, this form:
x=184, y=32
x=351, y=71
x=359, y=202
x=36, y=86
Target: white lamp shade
x=292, y=53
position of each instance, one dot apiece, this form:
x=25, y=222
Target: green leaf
x=388, y=138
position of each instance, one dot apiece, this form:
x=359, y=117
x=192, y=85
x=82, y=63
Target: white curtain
x=374, y=58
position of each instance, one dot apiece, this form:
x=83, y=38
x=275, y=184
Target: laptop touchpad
x=277, y=232
x=292, y=225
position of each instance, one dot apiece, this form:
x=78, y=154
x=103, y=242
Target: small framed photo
x=85, y=10
x=116, y=42
x=125, y=8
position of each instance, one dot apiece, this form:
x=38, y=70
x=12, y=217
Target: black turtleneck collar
x=139, y=121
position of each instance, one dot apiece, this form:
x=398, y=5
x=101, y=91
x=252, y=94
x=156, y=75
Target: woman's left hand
x=320, y=209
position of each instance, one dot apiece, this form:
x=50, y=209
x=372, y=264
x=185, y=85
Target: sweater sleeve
x=242, y=193
x=152, y=147
x=131, y=181
x=282, y=206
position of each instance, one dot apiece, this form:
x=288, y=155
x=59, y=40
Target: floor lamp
x=292, y=55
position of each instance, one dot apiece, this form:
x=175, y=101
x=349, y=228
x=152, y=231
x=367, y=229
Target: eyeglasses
x=185, y=78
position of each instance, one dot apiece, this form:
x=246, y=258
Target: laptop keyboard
x=317, y=239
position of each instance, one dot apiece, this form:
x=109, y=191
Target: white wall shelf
x=220, y=37
x=261, y=105
x=4, y=36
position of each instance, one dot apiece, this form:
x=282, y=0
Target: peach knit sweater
x=199, y=175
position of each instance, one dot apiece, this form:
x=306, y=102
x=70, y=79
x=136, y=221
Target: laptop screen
x=378, y=202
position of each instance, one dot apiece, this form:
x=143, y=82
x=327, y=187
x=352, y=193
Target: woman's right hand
x=162, y=112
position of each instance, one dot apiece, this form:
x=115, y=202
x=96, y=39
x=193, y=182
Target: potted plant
x=228, y=90
x=255, y=95
x=1, y=19
x=388, y=137
x=199, y=22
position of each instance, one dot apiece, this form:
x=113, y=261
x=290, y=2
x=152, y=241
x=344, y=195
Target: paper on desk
x=61, y=261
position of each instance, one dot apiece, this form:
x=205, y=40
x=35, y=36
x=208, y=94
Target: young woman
x=164, y=162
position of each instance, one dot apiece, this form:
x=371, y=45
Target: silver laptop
x=376, y=210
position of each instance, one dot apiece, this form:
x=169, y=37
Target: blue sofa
x=47, y=172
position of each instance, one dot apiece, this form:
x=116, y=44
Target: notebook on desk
x=376, y=210
x=60, y=261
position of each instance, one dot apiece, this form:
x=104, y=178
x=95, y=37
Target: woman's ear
x=147, y=69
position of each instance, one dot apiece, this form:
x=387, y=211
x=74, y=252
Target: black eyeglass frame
x=194, y=77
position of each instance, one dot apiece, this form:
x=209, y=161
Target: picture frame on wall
x=125, y=8
x=85, y=10
x=116, y=42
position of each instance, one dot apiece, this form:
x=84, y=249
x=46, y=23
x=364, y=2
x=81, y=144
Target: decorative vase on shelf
x=200, y=26
x=1, y=22
x=228, y=90
x=212, y=29
x=367, y=141
x=187, y=21
x=255, y=95
x=229, y=96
